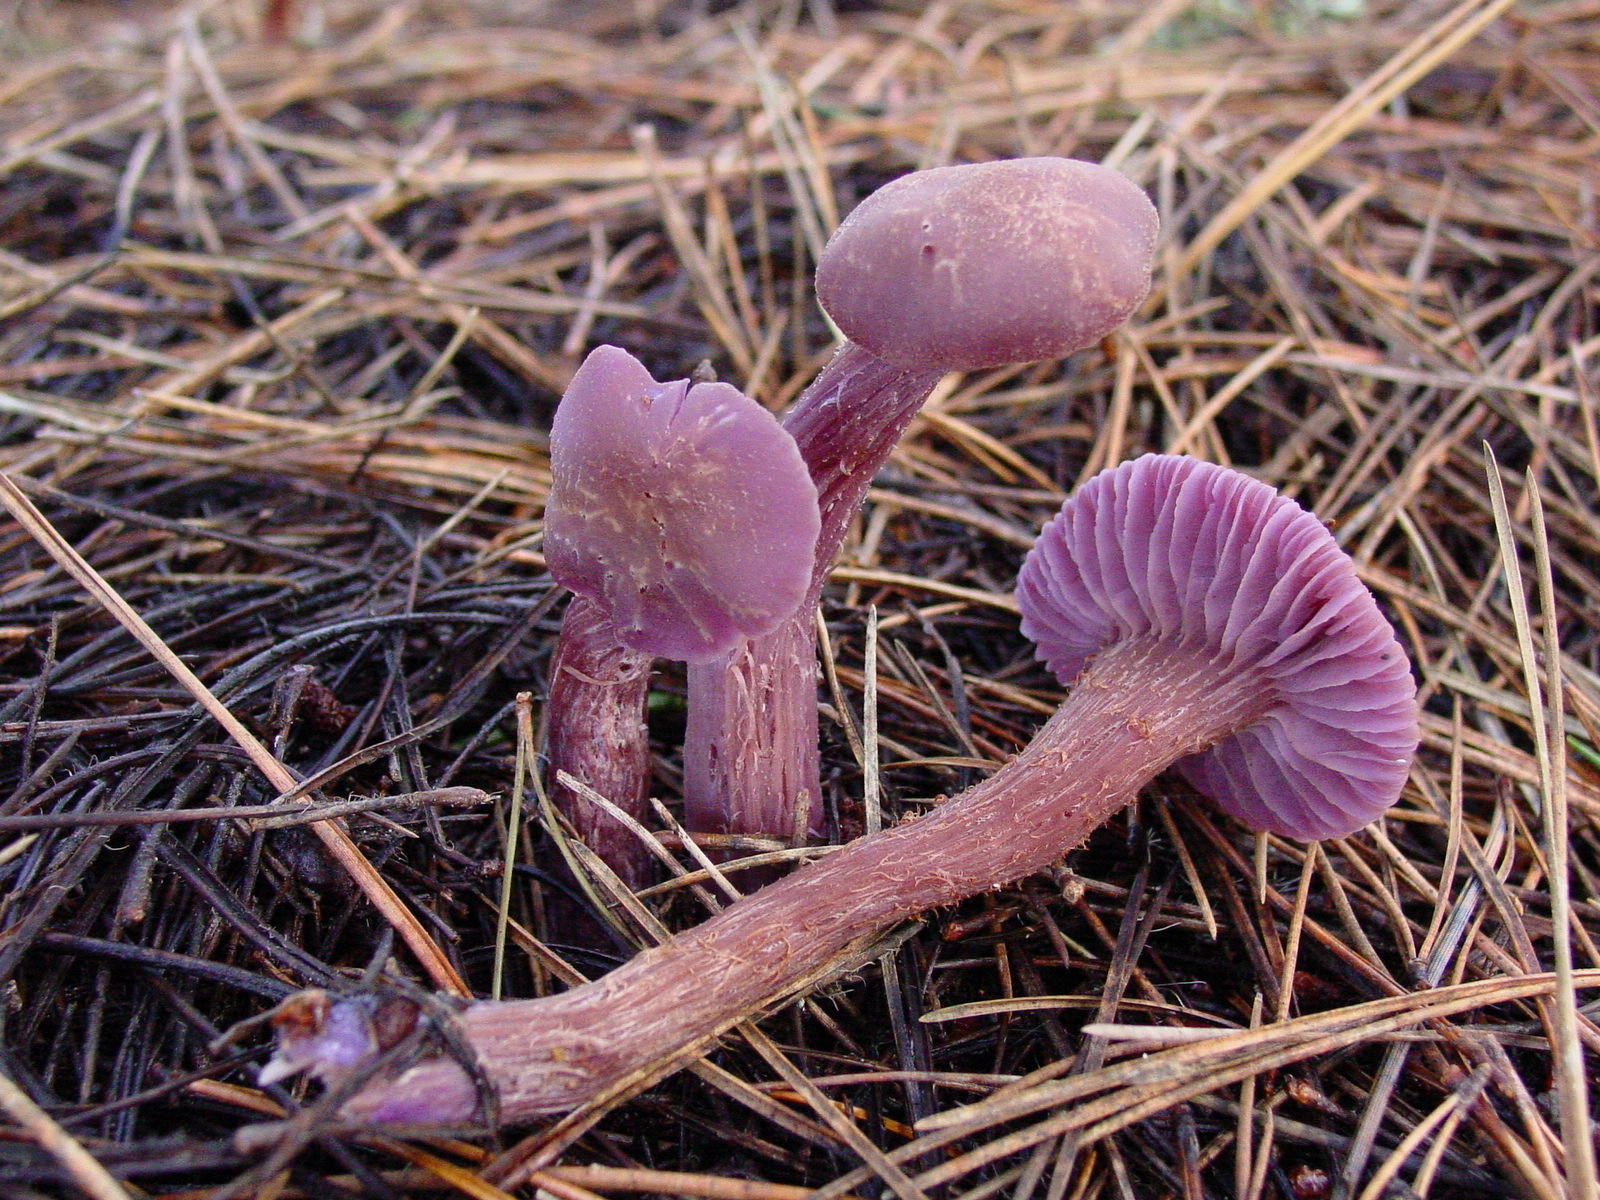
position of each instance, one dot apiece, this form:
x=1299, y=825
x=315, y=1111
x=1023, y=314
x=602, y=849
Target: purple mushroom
x=954, y=269
x=1203, y=620
x=685, y=521
x=1177, y=553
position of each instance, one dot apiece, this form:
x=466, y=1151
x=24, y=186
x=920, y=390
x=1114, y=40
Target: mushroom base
x=1136, y=708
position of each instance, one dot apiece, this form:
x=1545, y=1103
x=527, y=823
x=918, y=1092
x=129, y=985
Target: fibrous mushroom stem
x=750, y=744
x=750, y=750
x=596, y=732
x=1136, y=708
x=846, y=424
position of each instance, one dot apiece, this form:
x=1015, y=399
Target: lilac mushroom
x=1203, y=620
x=1292, y=652
x=954, y=269
x=685, y=521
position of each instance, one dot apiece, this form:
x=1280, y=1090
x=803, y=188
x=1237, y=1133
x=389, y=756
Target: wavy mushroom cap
x=685, y=510
x=962, y=268
x=1192, y=553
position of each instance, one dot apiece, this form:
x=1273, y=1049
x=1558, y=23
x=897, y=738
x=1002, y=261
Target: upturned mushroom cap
x=1186, y=552
x=961, y=268
x=685, y=510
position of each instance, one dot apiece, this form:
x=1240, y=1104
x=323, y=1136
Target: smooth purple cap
x=974, y=266
x=685, y=510
x=1205, y=556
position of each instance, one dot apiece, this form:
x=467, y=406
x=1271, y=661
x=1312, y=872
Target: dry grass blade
x=677, y=1183
x=469, y=1184
x=260, y=816
x=525, y=753
x=1256, y=1050
x=1571, y=1075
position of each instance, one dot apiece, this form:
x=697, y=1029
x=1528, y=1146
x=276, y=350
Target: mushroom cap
x=685, y=510
x=961, y=268
x=1180, y=549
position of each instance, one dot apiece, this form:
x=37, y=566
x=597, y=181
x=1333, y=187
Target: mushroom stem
x=846, y=425
x=1135, y=709
x=750, y=743
x=750, y=749
x=596, y=732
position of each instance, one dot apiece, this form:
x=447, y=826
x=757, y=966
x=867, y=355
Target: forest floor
x=288, y=293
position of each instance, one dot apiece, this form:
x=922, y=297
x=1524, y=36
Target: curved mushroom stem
x=597, y=733
x=1136, y=708
x=846, y=424
x=750, y=749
